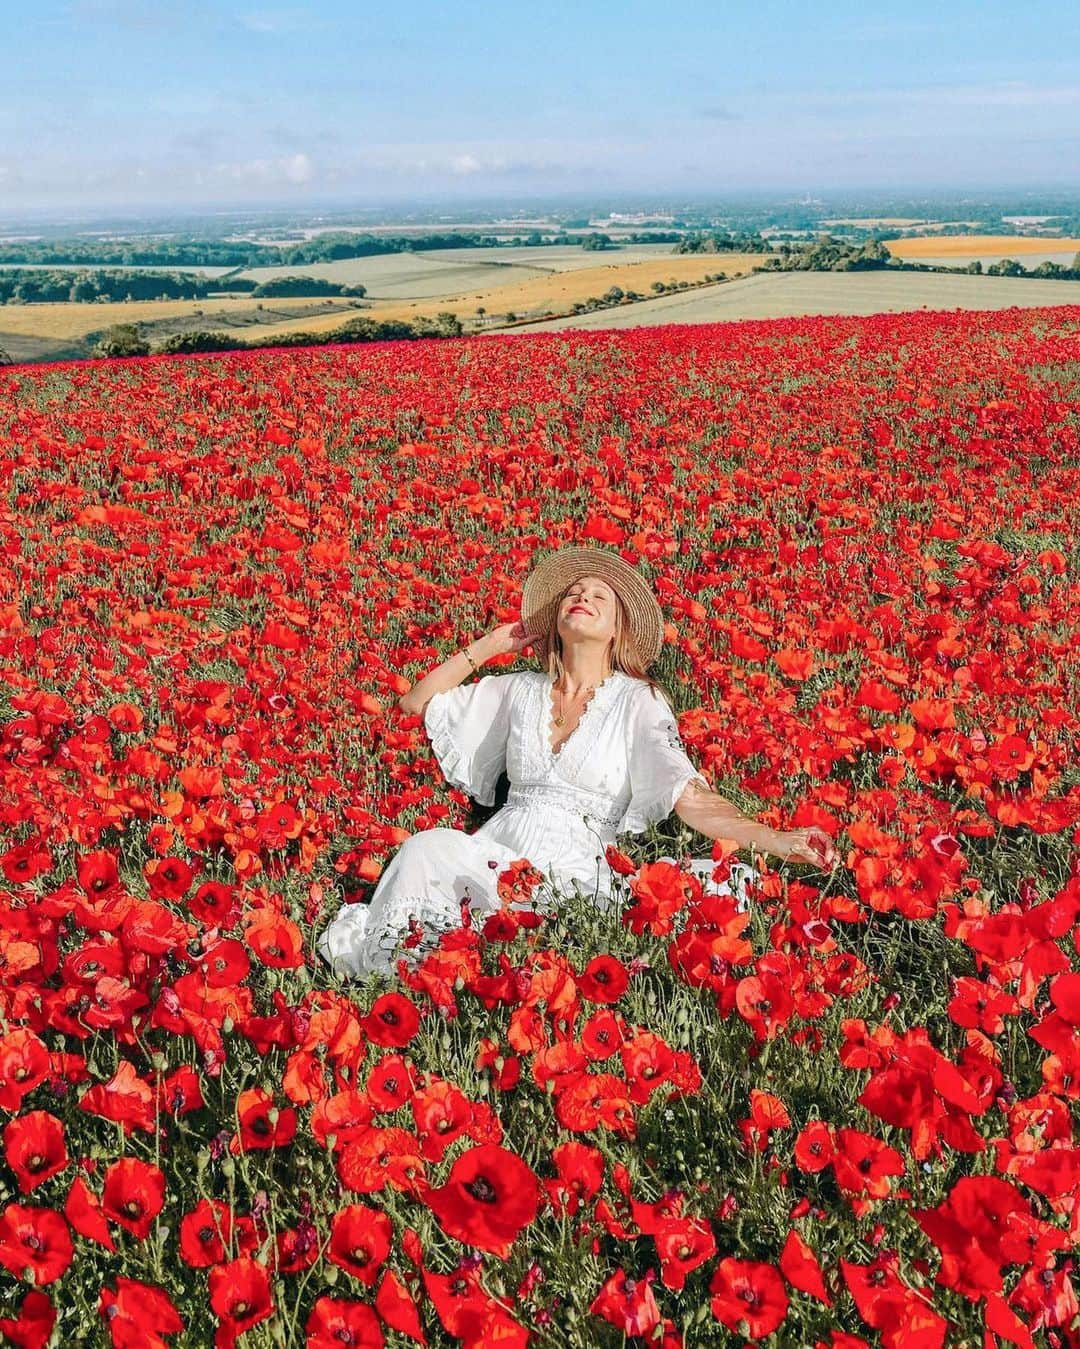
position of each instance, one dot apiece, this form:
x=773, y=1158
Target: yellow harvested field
x=61, y=321
x=557, y=292
x=978, y=245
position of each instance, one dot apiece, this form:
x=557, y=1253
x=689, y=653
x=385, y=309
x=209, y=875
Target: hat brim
x=549, y=578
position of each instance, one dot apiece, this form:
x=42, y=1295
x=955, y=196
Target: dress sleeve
x=469, y=727
x=659, y=765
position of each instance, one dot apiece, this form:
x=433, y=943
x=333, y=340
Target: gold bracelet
x=465, y=653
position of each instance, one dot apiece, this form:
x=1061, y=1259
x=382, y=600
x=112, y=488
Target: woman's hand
x=806, y=845
x=501, y=641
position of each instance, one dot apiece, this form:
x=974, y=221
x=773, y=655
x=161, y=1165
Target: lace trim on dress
x=576, y=801
x=580, y=742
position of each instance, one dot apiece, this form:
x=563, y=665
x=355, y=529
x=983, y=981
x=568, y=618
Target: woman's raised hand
x=806, y=845
x=500, y=641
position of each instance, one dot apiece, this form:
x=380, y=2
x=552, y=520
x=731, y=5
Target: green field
x=791, y=294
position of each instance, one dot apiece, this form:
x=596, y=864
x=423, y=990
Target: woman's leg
x=427, y=878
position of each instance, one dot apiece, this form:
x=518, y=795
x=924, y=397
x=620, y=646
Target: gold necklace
x=562, y=715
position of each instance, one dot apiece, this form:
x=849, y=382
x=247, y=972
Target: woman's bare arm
x=710, y=814
x=448, y=675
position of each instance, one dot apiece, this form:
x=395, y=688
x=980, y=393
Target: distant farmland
x=431, y=273
x=957, y=249
x=556, y=291
x=489, y=288
x=794, y=294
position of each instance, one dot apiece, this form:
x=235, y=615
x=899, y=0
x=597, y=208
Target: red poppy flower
x=240, y=1294
x=34, y=1147
x=465, y=1309
x=748, y=1297
x=903, y=1315
x=82, y=1209
x=506, y=1067
x=133, y=1194
x=767, y=1113
x=660, y=891
x=603, y=1034
x=138, y=1313
x=1047, y=1297
x=391, y=1082
x=375, y=1158
x=814, y=1146
x=204, y=1233
x=618, y=861
x=125, y=1099
x=976, y=1003
x=24, y=1065
x=392, y=1022
x=277, y=941
x=765, y=1003
x=604, y=979
x=262, y=1123
x=441, y=1113
x=181, y=1091
x=490, y=1197
x=682, y=1245
x=968, y=1227
x=215, y=904
x=593, y=1101
x=168, y=877
x=33, y=1326
x=225, y=963
x=297, y=1247
x=23, y=861
x=500, y=926
x=628, y=1304
x=333, y=1322
x=647, y=1062
x=345, y=1115
x=580, y=1171
x=799, y=1265
x=360, y=1241
x=396, y=1307
x=97, y=872
x=34, y=1239
x=863, y=1163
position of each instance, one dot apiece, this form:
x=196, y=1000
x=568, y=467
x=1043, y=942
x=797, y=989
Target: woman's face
x=588, y=611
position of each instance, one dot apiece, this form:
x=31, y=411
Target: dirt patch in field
x=225, y=319
x=21, y=347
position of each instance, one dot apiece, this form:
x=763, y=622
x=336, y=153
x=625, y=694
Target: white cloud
x=297, y=169
x=420, y=161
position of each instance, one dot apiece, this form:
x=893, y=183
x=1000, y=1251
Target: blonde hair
x=621, y=654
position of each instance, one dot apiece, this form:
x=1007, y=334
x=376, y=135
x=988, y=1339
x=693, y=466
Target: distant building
x=634, y=218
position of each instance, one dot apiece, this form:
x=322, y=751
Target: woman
x=590, y=746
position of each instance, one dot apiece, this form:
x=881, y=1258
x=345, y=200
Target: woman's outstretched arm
x=710, y=814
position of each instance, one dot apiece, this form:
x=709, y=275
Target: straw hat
x=549, y=578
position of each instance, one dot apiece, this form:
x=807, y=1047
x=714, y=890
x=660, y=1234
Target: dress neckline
x=547, y=711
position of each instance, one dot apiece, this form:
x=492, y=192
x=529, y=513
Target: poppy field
x=842, y=1116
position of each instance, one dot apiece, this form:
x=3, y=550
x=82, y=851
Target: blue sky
x=121, y=102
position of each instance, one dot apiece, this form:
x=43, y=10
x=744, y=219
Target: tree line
x=330, y=247
x=827, y=254
x=128, y=339
x=22, y=286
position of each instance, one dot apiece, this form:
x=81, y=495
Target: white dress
x=622, y=768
